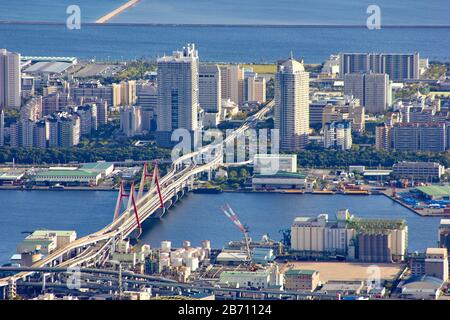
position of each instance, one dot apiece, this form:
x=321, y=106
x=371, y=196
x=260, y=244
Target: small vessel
x=57, y=187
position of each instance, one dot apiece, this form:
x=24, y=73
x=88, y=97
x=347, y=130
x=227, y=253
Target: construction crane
x=226, y=209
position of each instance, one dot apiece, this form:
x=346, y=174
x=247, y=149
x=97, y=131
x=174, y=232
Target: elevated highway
x=93, y=249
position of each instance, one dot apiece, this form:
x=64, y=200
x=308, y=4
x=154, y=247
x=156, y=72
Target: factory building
x=368, y=240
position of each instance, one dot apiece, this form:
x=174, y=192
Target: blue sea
x=133, y=34
x=398, y=12
x=220, y=43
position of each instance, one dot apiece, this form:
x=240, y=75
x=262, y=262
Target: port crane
x=226, y=209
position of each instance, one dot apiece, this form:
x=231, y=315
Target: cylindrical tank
x=166, y=245
x=177, y=262
x=206, y=244
x=164, y=255
x=186, y=244
x=192, y=263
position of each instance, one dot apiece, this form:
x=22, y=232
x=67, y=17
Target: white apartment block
x=292, y=105
x=10, y=82
x=178, y=90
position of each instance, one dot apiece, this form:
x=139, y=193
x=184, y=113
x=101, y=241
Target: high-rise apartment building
x=128, y=93
x=372, y=89
x=399, y=67
x=178, y=95
x=131, y=120
x=338, y=134
x=292, y=105
x=88, y=118
x=10, y=82
x=255, y=88
x=210, y=91
x=419, y=136
x=147, y=99
x=232, y=83
x=2, y=127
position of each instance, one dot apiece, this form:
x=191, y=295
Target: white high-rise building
x=2, y=127
x=232, y=83
x=10, y=82
x=292, y=105
x=131, y=120
x=338, y=134
x=210, y=92
x=178, y=96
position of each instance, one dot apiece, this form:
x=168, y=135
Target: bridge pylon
x=121, y=195
x=12, y=290
x=154, y=181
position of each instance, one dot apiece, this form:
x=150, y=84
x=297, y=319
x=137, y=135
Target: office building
x=418, y=171
x=10, y=82
x=338, y=135
x=131, y=120
x=372, y=89
x=399, y=67
x=301, y=280
x=178, y=96
x=292, y=105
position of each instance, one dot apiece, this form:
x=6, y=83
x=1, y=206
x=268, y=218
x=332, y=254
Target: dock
x=117, y=11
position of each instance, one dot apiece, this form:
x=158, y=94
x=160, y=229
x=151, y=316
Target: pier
x=117, y=11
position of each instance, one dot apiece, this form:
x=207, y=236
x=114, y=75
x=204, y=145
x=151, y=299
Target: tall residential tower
x=178, y=97
x=292, y=105
x=10, y=83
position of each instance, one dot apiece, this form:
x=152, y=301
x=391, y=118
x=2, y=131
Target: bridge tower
x=121, y=195
x=12, y=290
x=154, y=181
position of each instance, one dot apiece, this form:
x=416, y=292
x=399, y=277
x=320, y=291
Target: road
x=183, y=169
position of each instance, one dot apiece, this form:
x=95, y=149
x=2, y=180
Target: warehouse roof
x=48, y=67
x=435, y=191
x=71, y=173
x=97, y=166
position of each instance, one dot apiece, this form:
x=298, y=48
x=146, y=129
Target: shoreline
x=117, y=11
x=87, y=189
